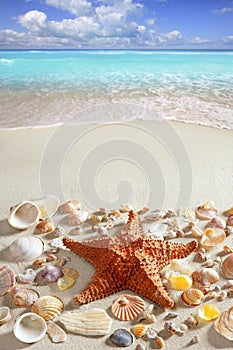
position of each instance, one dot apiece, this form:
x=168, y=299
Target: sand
x=161, y=164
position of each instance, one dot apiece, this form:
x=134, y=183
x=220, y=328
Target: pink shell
x=127, y=307
x=24, y=296
x=7, y=279
x=52, y=273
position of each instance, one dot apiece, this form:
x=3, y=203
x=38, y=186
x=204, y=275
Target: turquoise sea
x=39, y=88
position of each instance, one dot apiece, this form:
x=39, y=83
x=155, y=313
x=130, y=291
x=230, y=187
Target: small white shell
x=5, y=315
x=77, y=218
x=47, y=205
x=27, y=277
x=24, y=215
x=30, y=328
x=26, y=248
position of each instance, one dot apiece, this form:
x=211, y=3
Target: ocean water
x=40, y=88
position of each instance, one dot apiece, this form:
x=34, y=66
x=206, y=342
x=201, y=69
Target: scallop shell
x=47, y=205
x=70, y=207
x=205, y=277
x=45, y=226
x=227, y=266
x=90, y=322
x=127, y=307
x=207, y=211
x=7, y=279
x=208, y=312
x=26, y=248
x=47, y=307
x=5, y=315
x=55, y=332
x=192, y=297
x=212, y=237
x=139, y=330
x=216, y=222
x=30, y=328
x=52, y=273
x=77, y=218
x=24, y=215
x=23, y=296
x=27, y=277
x=224, y=324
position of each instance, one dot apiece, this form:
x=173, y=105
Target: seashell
x=57, y=243
x=205, y=277
x=47, y=307
x=64, y=260
x=180, y=282
x=30, y=328
x=90, y=322
x=24, y=215
x=177, y=265
x=192, y=297
x=160, y=342
x=224, y=324
x=229, y=220
x=121, y=338
x=23, y=296
x=78, y=218
x=127, y=307
x=229, y=230
x=39, y=262
x=7, y=279
x=139, y=330
x=140, y=347
x=207, y=211
x=55, y=332
x=58, y=231
x=227, y=266
x=5, y=315
x=27, y=277
x=196, y=231
x=68, y=271
x=151, y=333
x=208, y=312
x=45, y=226
x=51, y=257
x=169, y=326
x=191, y=321
x=182, y=329
x=52, y=273
x=47, y=205
x=26, y=248
x=125, y=208
x=195, y=340
x=222, y=295
x=212, y=237
x=227, y=249
x=216, y=222
x=65, y=282
x=70, y=207
x=147, y=315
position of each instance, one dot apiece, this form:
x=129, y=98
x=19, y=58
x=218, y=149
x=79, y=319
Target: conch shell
x=24, y=215
x=224, y=324
x=26, y=248
x=127, y=307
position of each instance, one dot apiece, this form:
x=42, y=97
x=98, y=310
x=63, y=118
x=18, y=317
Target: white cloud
x=223, y=11
x=150, y=21
x=75, y=7
x=228, y=39
x=33, y=20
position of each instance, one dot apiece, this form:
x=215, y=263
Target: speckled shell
x=127, y=307
x=7, y=279
x=227, y=266
x=212, y=237
x=192, y=297
x=26, y=248
x=207, y=211
x=27, y=277
x=47, y=307
x=224, y=324
x=23, y=296
x=205, y=277
x=139, y=330
x=24, y=215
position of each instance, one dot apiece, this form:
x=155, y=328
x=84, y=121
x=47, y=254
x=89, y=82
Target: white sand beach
x=162, y=165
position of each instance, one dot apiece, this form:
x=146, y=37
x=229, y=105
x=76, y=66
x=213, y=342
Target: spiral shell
x=127, y=307
x=192, y=297
x=139, y=330
x=23, y=296
x=205, y=277
x=24, y=215
x=7, y=279
x=207, y=211
x=26, y=248
x=224, y=324
x=47, y=307
x=227, y=266
x=213, y=237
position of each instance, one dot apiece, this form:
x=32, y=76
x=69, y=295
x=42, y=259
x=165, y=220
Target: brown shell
x=192, y=297
x=212, y=237
x=23, y=296
x=139, y=330
x=7, y=279
x=227, y=266
x=224, y=324
x=127, y=307
x=207, y=211
x=47, y=307
x=205, y=277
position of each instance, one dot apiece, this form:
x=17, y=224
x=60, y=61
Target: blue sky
x=155, y=24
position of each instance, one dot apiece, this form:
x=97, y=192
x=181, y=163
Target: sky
x=116, y=24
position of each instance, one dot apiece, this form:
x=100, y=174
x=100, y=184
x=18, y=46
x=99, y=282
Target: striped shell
x=192, y=297
x=47, y=307
x=26, y=248
x=139, y=330
x=127, y=307
x=7, y=279
x=23, y=296
x=227, y=266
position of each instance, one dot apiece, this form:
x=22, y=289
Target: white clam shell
x=30, y=328
x=24, y=215
x=26, y=248
x=5, y=315
x=47, y=205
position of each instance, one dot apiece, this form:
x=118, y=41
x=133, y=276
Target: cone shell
x=208, y=312
x=7, y=279
x=207, y=211
x=139, y=330
x=30, y=328
x=227, y=266
x=23, y=296
x=192, y=297
x=90, y=322
x=205, y=277
x=47, y=307
x=127, y=307
x=55, y=332
x=212, y=237
x=5, y=315
x=47, y=205
x=26, y=248
x=24, y=215
x=224, y=324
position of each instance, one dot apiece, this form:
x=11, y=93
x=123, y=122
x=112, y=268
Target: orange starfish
x=128, y=261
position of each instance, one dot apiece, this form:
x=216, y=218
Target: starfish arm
x=179, y=251
x=131, y=231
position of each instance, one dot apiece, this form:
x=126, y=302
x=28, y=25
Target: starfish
x=128, y=261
